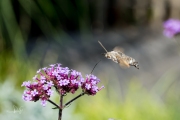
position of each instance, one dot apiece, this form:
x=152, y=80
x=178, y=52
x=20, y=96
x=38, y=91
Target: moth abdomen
x=135, y=64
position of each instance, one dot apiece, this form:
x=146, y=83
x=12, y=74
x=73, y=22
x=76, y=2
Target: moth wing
x=124, y=60
x=118, y=49
x=123, y=63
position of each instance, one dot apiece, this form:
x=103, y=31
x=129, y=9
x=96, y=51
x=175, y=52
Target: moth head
x=108, y=56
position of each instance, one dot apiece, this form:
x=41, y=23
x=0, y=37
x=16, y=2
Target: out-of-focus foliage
x=138, y=103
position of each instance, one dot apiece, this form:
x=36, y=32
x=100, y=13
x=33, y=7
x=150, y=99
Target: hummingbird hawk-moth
x=119, y=57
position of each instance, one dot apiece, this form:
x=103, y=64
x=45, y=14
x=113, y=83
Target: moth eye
x=108, y=57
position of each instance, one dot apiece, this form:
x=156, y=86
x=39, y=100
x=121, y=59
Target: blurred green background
x=36, y=33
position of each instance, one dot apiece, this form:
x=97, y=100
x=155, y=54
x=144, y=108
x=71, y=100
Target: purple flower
x=52, y=65
x=74, y=82
x=34, y=83
x=55, y=73
x=44, y=68
x=89, y=86
x=35, y=77
x=34, y=92
x=43, y=77
x=50, y=83
x=62, y=79
x=43, y=103
x=82, y=79
x=39, y=71
x=26, y=96
x=171, y=27
x=75, y=73
x=43, y=80
x=45, y=87
x=66, y=82
x=59, y=77
x=49, y=92
x=26, y=83
x=95, y=88
x=61, y=83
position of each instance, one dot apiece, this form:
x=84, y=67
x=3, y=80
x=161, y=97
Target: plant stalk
x=54, y=103
x=74, y=99
x=61, y=107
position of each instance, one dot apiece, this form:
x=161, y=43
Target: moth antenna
x=102, y=46
x=95, y=66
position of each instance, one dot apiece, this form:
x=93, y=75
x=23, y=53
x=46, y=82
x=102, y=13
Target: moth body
x=112, y=55
x=119, y=57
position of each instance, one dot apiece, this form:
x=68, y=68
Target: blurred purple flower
x=171, y=27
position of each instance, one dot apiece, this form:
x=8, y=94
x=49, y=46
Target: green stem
x=54, y=103
x=74, y=99
x=61, y=107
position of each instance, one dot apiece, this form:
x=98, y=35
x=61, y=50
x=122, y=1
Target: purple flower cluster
x=89, y=86
x=62, y=78
x=171, y=27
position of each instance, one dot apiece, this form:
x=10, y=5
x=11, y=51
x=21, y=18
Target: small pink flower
x=49, y=92
x=43, y=103
x=26, y=83
x=88, y=86
x=45, y=87
x=34, y=92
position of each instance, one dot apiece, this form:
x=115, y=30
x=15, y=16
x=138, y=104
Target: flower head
x=89, y=86
x=62, y=79
x=171, y=27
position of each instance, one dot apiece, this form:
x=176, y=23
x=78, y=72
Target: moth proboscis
x=119, y=57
